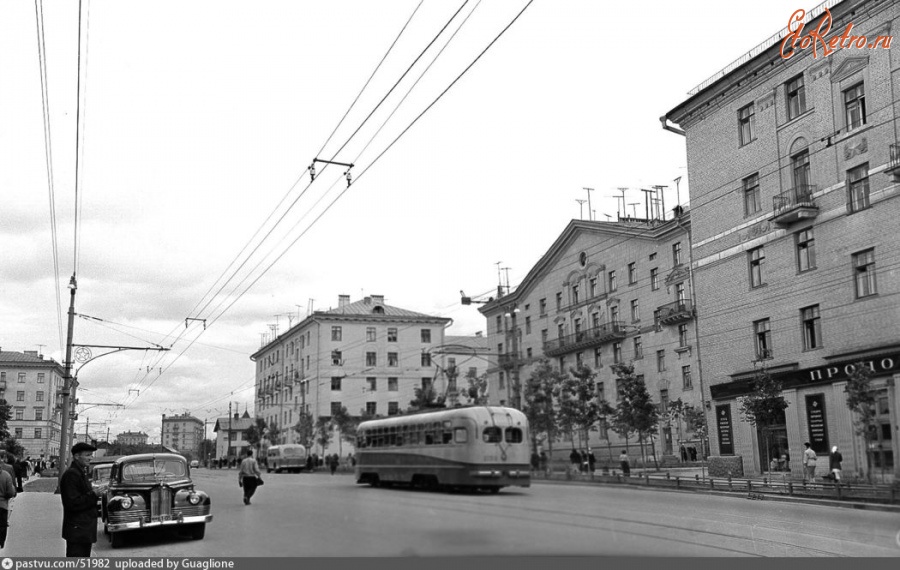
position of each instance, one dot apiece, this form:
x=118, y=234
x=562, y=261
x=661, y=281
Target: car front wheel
x=198, y=531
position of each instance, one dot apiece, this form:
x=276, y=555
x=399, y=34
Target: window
x=601, y=392
x=612, y=280
x=796, y=97
x=393, y=385
x=514, y=435
x=21, y=377
x=500, y=348
x=39, y=397
x=595, y=320
x=20, y=413
x=676, y=253
x=617, y=352
x=562, y=363
x=393, y=359
x=751, y=195
x=686, y=382
x=426, y=335
x=800, y=174
x=746, y=124
x=663, y=401
x=635, y=311
x=20, y=396
x=575, y=294
x=2, y=376
x=756, y=257
x=812, y=331
x=560, y=331
x=543, y=304
x=39, y=414
x=614, y=314
x=543, y=335
x=858, y=188
x=426, y=383
x=426, y=359
x=336, y=408
x=336, y=333
x=592, y=287
x=336, y=359
x=18, y=433
x=682, y=335
x=336, y=383
x=863, y=271
x=40, y=377
x=657, y=316
x=632, y=273
x=527, y=325
x=579, y=359
x=492, y=435
x=654, y=279
x=660, y=360
x=371, y=408
x=597, y=352
x=855, y=107
x=558, y=301
x=392, y=335
x=501, y=382
x=638, y=348
x=528, y=352
x=499, y=323
x=763, y=335
x=680, y=295
x=371, y=359
x=370, y=334
x=806, y=250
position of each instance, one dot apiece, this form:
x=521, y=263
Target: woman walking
x=249, y=475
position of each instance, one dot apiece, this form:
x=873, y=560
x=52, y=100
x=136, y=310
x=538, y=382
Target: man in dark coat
x=21, y=472
x=79, y=504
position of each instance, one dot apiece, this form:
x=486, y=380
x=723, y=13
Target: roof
x=451, y=342
x=12, y=357
x=181, y=418
x=366, y=307
x=239, y=424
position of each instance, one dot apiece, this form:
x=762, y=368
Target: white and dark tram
x=480, y=447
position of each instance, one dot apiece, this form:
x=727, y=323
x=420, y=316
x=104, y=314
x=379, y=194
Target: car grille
x=161, y=502
x=130, y=515
x=193, y=511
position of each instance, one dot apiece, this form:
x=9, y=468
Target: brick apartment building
x=28, y=383
x=793, y=169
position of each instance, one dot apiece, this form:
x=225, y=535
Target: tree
x=346, y=426
x=764, y=406
x=13, y=447
x=578, y=411
x=305, y=430
x=861, y=401
x=426, y=397
x=539, y=405
x=274, y=432
x=324, y=429
x=476, y=393
x=451, y=374
x=635, y=411
x=256, y=432
x=606, y=413
x=5, y=416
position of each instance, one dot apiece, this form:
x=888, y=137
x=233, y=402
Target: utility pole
x=589, y=190
x=68, y=388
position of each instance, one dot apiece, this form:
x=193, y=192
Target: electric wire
x=77, y=148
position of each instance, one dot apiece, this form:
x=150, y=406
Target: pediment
x=677, y=275
x=848, y=67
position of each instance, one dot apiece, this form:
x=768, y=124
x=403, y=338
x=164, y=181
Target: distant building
x=469, y=356
x=231, y=435
x=132, y=438
x=366, y=356
x=184, y=432
x=29, y=384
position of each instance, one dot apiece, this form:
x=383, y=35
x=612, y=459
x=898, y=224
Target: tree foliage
x=861, y=401
x=305, y=430
x=579, y=410
x=12, y=446
x=635, y=411
x=5, y=416
x=256, y=432
x=539, y=405
x=426, y=398
x=764, y=406
x=451, y=375
x=324, y=432
x=477, y=392
x=345, y=425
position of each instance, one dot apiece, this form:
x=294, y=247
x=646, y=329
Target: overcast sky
x=199, y=119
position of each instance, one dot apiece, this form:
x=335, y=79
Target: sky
x=179, y=141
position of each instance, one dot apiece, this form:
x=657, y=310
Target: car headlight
x=126, y=502
x=194, y=499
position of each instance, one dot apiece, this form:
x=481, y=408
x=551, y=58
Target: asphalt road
x=322, y=515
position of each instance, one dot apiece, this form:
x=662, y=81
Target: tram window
x=448, y=436
x=492, y=435
x=461, y=435
x=399, y=440
x=513, y=435
x=429, y=438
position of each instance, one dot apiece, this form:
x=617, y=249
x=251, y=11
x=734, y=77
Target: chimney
x=378, y=299
x=343, y=301
x=237, y=416
x=368, y=300
x=478, y=334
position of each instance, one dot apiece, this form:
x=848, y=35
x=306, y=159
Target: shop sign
x=723, y=424
x=816, y=423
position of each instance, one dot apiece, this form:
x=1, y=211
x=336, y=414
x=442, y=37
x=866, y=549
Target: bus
x=476, y=448
x=290, y=456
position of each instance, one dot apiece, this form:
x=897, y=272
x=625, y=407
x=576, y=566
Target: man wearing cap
x=79, y=504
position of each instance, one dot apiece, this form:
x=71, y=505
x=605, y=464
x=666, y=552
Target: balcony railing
x=795, y=204
x=592, y=337
x=510, y=360
x=677, y=312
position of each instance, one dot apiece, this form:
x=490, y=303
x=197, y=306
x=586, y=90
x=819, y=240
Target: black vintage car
x=153, y=490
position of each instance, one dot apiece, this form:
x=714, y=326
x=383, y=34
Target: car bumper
x=173, y=521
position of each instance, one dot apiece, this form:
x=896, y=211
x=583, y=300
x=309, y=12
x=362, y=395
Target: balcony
x=510, y=360
x=676, y=313
x=589, y=338
x=894, y=165
x=796, y=204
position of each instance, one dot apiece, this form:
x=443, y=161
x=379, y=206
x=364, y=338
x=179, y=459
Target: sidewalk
x=35, y=526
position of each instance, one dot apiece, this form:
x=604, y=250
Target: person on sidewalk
x=249, y=475
x=809, y=463
x=834, y=463
x=21, y=472
x=623, y=463
x=7, y=493
x=79, y=504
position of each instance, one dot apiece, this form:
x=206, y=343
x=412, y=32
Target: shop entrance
x=777, y=456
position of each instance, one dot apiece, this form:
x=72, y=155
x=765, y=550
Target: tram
x=476, y=448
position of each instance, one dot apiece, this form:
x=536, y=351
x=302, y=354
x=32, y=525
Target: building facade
x=366, y=356
x=29, y=383
x=132, y=438
x=184, y=432
x=231, y=435
x=793, y=166
x=605, y=292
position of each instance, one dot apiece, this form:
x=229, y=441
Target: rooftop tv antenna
x=580, y=208
x=662, y=196
x=589, y=190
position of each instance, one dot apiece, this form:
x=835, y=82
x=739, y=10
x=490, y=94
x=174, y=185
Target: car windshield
x=102, y=473
x=152, y=470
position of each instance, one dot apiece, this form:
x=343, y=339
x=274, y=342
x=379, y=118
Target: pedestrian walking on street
x=79, y=504
x=591, y=461
x=834, y=463
x=684, y=453
x=333, y=462
x=7, y=493
x=809, y=463
x=623, y=463
x=21, y=472
x=535, y=461
x=249, y=475
x=544, y=461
